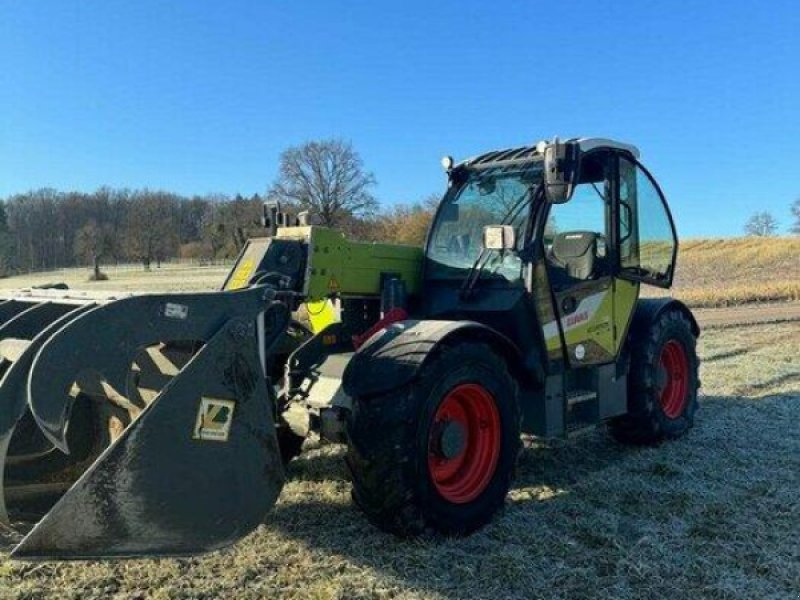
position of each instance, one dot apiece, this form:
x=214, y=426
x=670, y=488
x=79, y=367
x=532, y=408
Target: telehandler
x=160, y=424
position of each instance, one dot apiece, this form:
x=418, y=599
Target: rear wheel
x=663, y=382
x=438, y=454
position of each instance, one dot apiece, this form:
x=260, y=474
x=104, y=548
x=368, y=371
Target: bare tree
x=152, y=229
x=761, y=224
x=242, y=218
x=796, y=215
x=327, y=178
x=6, y=244
x=92, y=242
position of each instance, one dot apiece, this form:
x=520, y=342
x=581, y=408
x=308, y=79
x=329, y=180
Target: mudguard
x=392, y=357
x=648, y=310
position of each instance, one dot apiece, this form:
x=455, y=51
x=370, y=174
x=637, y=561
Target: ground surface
x=172, y=277
x=713, y=515
x=747, y=314
x=710, y=273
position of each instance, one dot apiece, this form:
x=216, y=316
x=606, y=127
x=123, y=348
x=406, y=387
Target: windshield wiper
x=474, y=273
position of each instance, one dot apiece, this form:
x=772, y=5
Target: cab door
x=648, y=243
x=579, y=263
x=645, y=241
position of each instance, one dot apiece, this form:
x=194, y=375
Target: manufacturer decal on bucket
x=176, y=311
x=214, y=419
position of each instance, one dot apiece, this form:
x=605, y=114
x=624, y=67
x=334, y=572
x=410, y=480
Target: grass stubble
x=713, y=515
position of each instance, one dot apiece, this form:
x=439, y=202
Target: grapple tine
x=196, y=471
x=13, y=396
x=34, y=317
x=107, y=338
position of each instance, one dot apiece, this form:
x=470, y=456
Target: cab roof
x=524, y=153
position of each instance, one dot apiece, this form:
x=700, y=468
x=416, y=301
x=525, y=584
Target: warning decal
x=214, y=419
x=241, y=276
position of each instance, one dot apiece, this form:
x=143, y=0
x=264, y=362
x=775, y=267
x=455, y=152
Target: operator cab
x=554, y=237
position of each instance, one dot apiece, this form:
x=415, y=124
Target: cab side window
x=647, y=237
x=576, y=233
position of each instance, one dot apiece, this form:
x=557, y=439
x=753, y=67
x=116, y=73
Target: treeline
x=47, y=229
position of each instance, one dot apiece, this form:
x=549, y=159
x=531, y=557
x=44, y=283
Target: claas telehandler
x=161, y=424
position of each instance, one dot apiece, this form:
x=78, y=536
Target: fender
x=394, y=356
x=648, y=310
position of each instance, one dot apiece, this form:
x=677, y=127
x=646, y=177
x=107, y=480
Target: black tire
x=390, y=441
x=289, y=443
x=650, y=420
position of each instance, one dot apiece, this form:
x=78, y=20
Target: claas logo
x=577, y=318
x=214, y=419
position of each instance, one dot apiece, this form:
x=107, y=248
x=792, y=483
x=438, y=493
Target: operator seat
x=574, y=256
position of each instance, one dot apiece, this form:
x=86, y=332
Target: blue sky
x=201, y=96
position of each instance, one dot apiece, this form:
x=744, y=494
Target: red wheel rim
x=464, y=443
x=675, y=367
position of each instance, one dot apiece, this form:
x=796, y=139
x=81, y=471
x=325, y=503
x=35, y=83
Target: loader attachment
x=13, y=385
x=105, y=341
x=198, y=465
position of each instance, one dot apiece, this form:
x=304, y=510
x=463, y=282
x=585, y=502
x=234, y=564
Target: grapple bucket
x=146, y=422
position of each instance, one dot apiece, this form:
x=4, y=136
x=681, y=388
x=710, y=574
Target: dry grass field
x=710, y=273
x=169, y=277
x=713, y=515
x=724, y=272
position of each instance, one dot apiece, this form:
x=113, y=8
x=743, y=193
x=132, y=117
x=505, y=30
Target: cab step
x=579, y=396
x=581, y=411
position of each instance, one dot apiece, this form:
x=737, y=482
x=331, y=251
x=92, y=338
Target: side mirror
x=499, y=237
x=560, y=171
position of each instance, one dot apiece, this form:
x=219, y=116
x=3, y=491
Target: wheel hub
x=451, y=438
x=464, y=443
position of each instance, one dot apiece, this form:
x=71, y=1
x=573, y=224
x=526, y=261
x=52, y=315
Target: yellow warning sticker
x=214, y=419
x=320, y=314
x=241, y=276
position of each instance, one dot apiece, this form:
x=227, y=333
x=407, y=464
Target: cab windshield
x=492, y=196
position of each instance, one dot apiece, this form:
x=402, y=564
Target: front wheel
x=662, y=383
x=438, y=454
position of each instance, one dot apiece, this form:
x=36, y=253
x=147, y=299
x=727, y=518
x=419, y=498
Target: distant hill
x=723, y=272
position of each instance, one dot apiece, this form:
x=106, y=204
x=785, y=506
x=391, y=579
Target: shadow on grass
x=751, y=388
x=505, y=559
x=433, y=564
x=726, y=355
